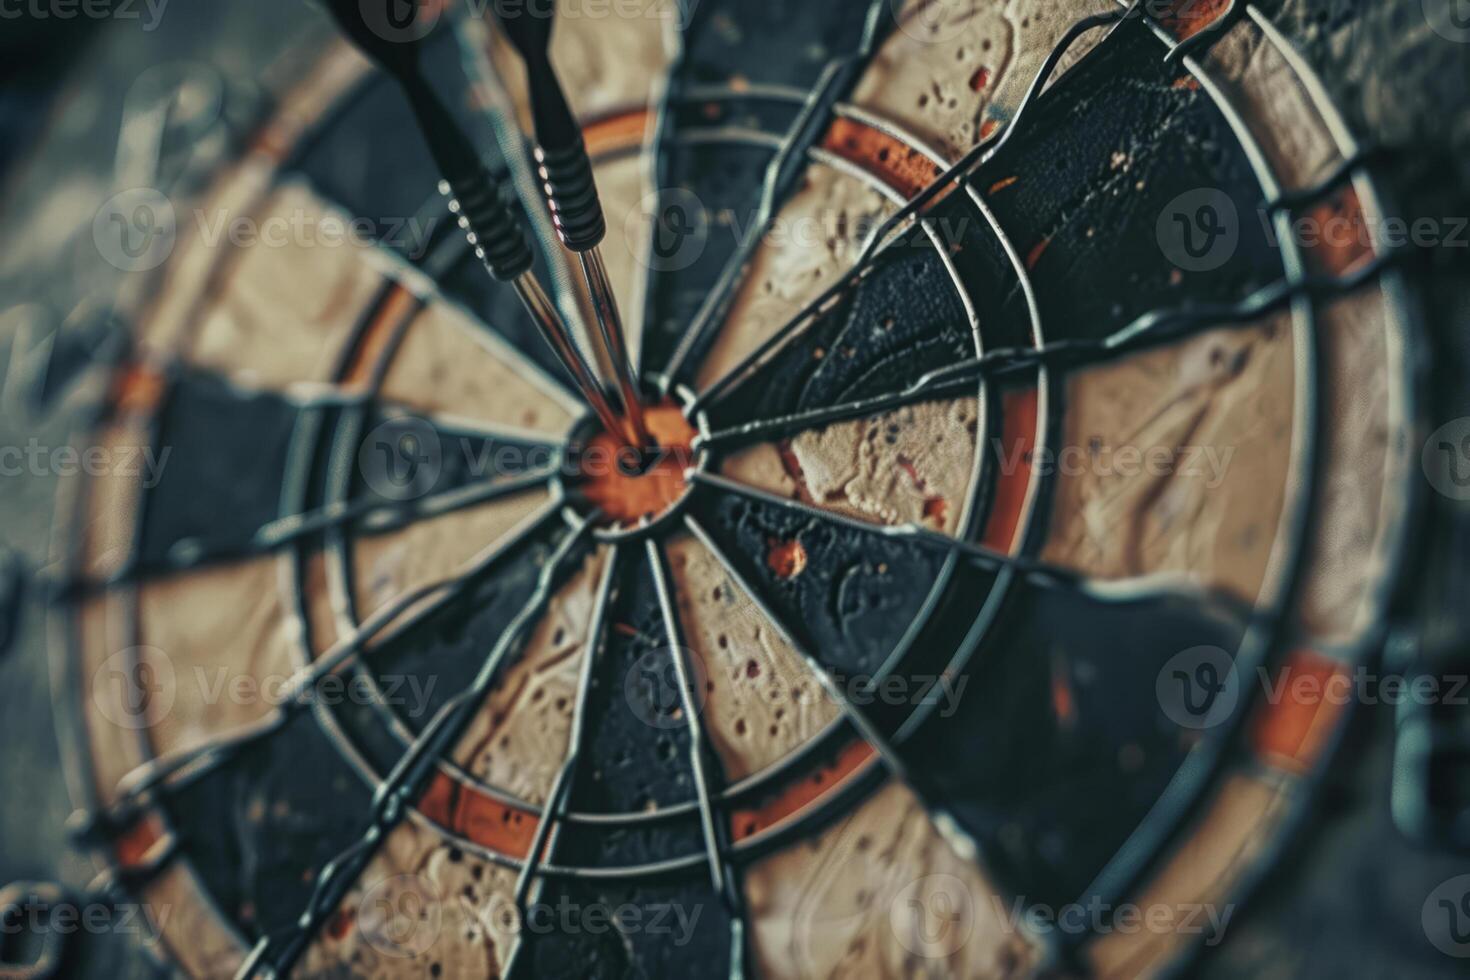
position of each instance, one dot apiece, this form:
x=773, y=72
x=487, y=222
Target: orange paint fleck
x=786, y=558
x=907, y=465
x=270, y=142
x=980, y=79
x=625, y=497
x=139, y=388
x=341, y=923
x=1001, y=185
x=1187, y=83
x=791, y=465
x=934, y=507
x=987, y=127
x=1034, y=256
x=1062, y=704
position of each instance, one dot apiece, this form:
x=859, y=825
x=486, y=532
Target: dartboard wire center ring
x=631, y=494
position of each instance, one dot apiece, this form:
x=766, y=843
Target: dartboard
x=1017, y=458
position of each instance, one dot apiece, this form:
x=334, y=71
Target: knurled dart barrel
x=489, y=225
x=566, y=176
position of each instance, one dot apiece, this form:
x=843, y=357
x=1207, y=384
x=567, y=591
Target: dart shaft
x=559, y=339
x=610, y=327
x=570, y=189
x=494, y=230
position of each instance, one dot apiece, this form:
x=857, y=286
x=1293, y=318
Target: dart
x=571, y=192
x=474, y=195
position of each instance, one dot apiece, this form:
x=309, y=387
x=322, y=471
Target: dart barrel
x=566, y=176
x=489, y=224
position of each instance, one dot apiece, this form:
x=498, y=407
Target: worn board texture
x=1346, y=898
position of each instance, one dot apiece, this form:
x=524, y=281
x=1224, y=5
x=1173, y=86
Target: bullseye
x=627, y=489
